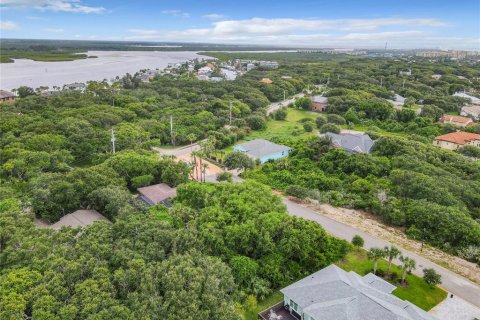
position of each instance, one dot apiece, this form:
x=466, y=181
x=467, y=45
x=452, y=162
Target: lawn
x=269, y=301
x=417, y=292
x=280, y=129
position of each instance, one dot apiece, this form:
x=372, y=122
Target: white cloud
x=398, y=32
x=176, y=13
x=74, y=6
x=53, y=30
x=8, y=25
x=213, y=16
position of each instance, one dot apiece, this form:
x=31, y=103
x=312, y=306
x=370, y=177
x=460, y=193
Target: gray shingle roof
x=320, y=99
x=259, y=148
x=157, y=193
x=360, y=143
x=6, y=94
x=79, y=218
x=334, y=294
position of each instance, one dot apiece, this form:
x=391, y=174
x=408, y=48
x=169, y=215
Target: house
x=77, y=86
x=455, y=140
x=334, y=294
x=319, y=103
x=436, y=76
x=266, y=81
x=351, y=142
x=475, y=101
x=268, y=64
x=157, y=193
x=79, y=218
x=456, y=120
x=6, y=97
x=406, y=73
x=263, y=150
x=250, y=66
x=471, y=111
x=204, y=71
x=216, y=79
x=397, y=102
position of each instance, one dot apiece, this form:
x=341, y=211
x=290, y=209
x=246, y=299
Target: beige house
x=456, y=120
x=6, y=97
x=455, y=140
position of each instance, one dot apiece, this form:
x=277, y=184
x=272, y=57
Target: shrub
x=224, y=176
x=142, y=181
x=320, y=121
x=297, y=191
x=358, y=241
x=308, y=127
x=336, y=119
x=431, y=277
x=329, y=127
x=256, y=122
x=280, y=114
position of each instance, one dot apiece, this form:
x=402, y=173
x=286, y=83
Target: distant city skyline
x=305, y=23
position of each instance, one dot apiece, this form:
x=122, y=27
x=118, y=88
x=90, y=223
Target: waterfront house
x=334, y=294
x=263, y=150
x=6, y=97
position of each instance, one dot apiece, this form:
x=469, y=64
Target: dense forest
x=221, y=243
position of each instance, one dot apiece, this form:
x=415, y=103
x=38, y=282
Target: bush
x=256, y=122
x=224, y=176
x=329, y=127
x=470, y=151
x=304, y=103
x=280, y=114
x=308, y=126
x=431, y=277
x=358, y=241
x=336, y=119
x=142, y=181
x=297, y=191
x=320, y=121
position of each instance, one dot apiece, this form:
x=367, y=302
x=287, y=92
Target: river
x=108, y=65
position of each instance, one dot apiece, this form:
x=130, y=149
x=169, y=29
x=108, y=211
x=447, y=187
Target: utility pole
x=230, y=112
x=113, y=141
x=171, y=130
x=284, y=95
x=403, y=85
x=381, y=81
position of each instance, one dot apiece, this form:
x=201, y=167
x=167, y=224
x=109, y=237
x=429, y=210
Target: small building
x=319, y=103
x=456, y=120
x=263, y=150
x=76, y=86
x=436, y=76
x=216, y=79
x=351, y=142
x=6, y=97
x=333, y=294
x=407, y=73
x=266, y=81
x=455, y=140
x=397, y=102
x=250, y=66
x=79, y=218
x=157, y=193
x=204, y=71
x=472, y=112
x=268, y=64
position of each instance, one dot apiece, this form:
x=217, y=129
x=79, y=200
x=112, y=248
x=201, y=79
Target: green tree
x=358, y=241
x=408, y=264
x=375, y=254
x=391, y=253
x=329, y=127
x=431, y=277
x=238, y=160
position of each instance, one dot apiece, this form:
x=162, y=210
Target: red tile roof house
x=456, y=120
x=319, y=103
x=455, y=140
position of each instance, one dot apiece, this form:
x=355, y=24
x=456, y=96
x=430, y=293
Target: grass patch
x=417, y=292
x=8, y=57
x=269, y=301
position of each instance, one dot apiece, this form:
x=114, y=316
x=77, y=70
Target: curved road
x=451, y=281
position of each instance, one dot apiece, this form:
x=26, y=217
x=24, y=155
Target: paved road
x=277, y=105
x=451, y=281
x=177, y=152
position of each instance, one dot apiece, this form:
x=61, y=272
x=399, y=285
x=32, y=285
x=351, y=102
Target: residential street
x=451, y=281
x=277, y=105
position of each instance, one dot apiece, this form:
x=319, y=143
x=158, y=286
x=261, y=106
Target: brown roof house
x=157, y=193
x=319, y=103
x=79, y=218
x=456, y=120
x=455, y=140
x=266, y=81
x=6, y=97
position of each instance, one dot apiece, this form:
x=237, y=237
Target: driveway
x=451, y=281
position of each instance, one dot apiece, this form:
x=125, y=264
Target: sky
x=405, y=24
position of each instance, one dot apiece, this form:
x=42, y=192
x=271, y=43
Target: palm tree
x=375, y=254
x=408, y=264
x=391, y=253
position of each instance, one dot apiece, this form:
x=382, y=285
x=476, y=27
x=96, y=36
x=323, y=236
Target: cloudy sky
x=343, y=23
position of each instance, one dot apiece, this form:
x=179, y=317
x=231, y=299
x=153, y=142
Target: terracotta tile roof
x=458, y=119
x=459, y=137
